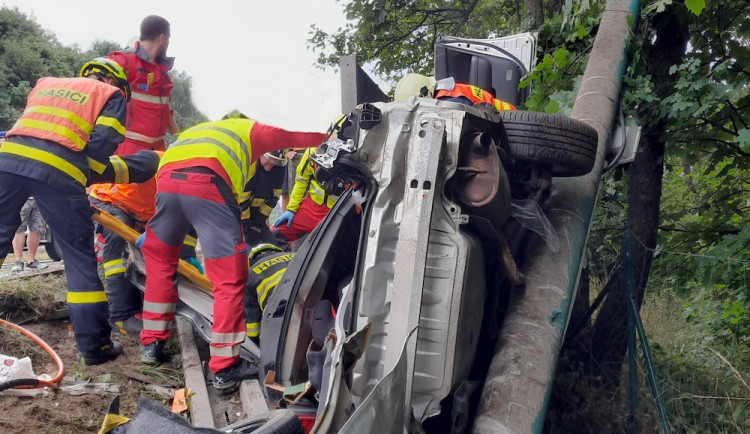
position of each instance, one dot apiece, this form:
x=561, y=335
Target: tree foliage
x=397, y=36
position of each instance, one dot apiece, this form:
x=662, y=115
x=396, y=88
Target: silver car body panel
x=420, y=270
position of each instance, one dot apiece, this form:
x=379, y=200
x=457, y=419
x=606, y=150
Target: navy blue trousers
x=68, y=215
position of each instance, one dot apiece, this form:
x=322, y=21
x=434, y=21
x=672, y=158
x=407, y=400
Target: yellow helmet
x=110, y=69
x=261, y=250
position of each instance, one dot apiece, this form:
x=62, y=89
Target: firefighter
x=149, y=115
x=199, y=184
x=261, y=195
x=448, y=89
x=66, y=134
x=267, y=265
x=309, y=203
x=132, y=204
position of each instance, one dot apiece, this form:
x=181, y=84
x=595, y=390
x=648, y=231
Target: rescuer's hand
x=139, y=241
x=287, y=217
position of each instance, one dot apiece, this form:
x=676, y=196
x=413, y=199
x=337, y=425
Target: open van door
x=495, y=65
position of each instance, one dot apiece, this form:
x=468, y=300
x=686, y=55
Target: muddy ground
x=33, y=302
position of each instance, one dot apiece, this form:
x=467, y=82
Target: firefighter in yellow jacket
x=199, y=184
x=66, y=134
x=267, y=266
x=309, y=203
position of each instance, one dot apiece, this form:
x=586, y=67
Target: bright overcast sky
x=250, y=55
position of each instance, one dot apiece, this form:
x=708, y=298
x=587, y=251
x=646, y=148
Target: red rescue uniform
x=149, y=108
x=199, y=184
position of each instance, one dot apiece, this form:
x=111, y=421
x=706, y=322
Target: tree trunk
x=554, y=7
x=534, y=14
x=643, y=195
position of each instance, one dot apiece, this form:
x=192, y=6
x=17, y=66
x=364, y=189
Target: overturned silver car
x=416, y=261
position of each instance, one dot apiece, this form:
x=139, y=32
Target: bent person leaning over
x=199, y=184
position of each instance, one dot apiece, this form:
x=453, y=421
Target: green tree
x=27, y=53
x=397, y=36
x=185, y=113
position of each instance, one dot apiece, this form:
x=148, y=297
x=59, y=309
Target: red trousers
x=196, y=198
x=308, y=215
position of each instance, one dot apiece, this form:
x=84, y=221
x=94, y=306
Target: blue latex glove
x=287, y=217
x=139, y=241
x=194, y=262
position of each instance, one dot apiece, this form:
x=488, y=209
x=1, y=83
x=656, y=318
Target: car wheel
x=566, y=145
x=53, y=249
x=272, y=422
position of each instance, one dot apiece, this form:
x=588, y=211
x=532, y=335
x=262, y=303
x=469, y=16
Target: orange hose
x=37, y=340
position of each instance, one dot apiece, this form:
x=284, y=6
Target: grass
x=704, y=387
x=32, y=299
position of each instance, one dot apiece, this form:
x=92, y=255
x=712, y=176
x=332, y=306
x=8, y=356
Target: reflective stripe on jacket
x=262, y=192
x=65, y=111
x=305, y=183
x=263, y=277
x=473, y=94
x=148, y=109
x=226, y=141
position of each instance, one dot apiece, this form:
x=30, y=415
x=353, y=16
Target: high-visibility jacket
x=129, y=191
x=474, y=94
x=305, y=183
x=65, y=111
x=138, y=199
x=262, y=279
x=223, y=146
x=149, y=106
x=56, y=128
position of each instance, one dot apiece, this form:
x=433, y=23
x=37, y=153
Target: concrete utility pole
x=516, y=392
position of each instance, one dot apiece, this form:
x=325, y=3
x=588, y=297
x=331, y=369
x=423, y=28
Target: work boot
x=131, y=326
x=35, y=265
x=153, y=353
x=17, y=267
x=106, y=353
x=230, y=377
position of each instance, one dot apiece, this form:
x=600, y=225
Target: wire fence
x=696, y=314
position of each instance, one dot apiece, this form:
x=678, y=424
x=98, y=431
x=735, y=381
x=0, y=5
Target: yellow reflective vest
x=305, y=183
x=226, y=141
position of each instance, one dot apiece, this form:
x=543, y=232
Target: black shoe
x=105, y=354
x=131, y=326
x=153, y=353
x=230, y=377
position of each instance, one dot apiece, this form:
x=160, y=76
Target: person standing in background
x=32, y=219
x=149, y=114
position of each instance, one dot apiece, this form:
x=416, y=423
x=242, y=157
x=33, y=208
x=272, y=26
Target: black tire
x=273, y=422
x=53, y=249
x=566, y=145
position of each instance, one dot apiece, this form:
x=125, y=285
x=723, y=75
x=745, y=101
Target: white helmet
x=413, y=84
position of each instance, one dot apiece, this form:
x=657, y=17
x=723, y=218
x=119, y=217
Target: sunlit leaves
x=695, y=6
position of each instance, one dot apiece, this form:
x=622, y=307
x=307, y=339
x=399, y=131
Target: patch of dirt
x=61, y=412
